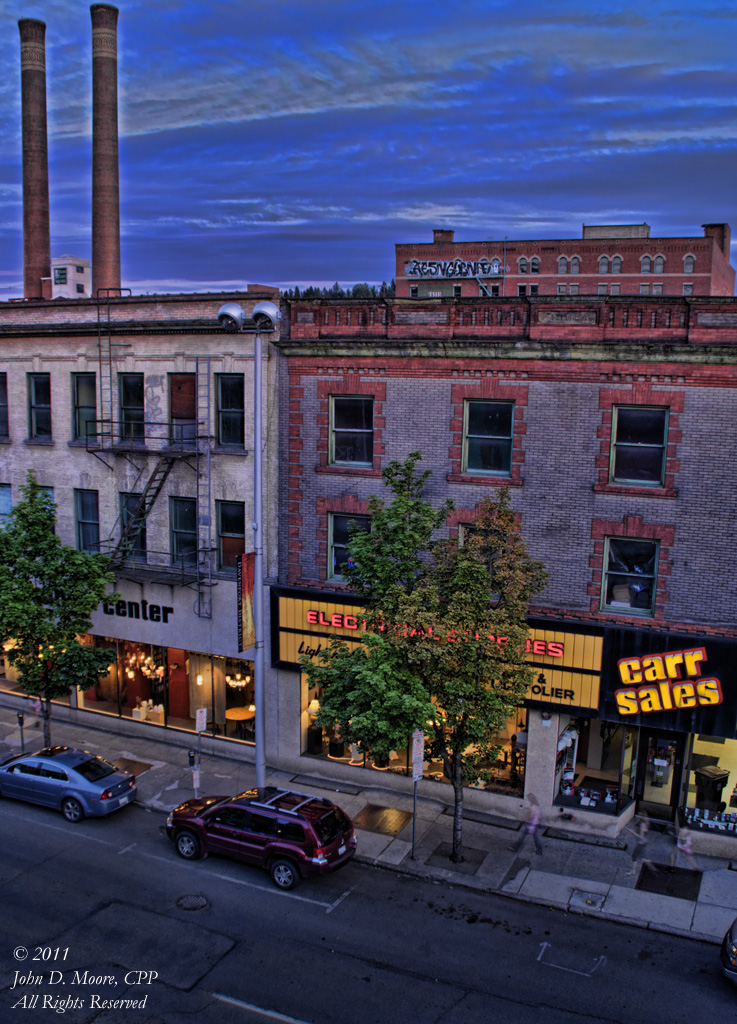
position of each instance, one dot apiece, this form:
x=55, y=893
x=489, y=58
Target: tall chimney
x=105, y=188
x=36, y=241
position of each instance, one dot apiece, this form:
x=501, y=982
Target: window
x=414, y=291
x=5, y=503
x=616, y=264
x=488, y=437
x=39, y=405
x=88, y=521
x=534, y=265
x=688, y=289
x=80, y=270
x=644, y=289
x=688, y=264
x=659, y=264
x=231, y=534
x=183, y=407
x=495, y=290
x=522, y=289
x=562, y=265
x=353, y=430
x=630, y=575
x=561, y=289
x=573, y=289
x=456, y=291
x=4, y=424
x=341, y=528
x=230, y=431
x=646, y=265
x=657, y=289
x=80, y=289
x=183, y=519
x=615, y=288
x=639, y=443
x=60, y=275
x=603, y=265
x=522, y=266
x=575, y=265
x=601, y=289
x=533, y=289
x=131, y=406
x=136, y=544
x=83, y=406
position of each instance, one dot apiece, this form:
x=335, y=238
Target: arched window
x=534, y=265
x=616, y=264
x=562, y=265
x=646, y=265
x=688, y=264
x=659, y=264
x=522, y=266
x=575, y=265
x=603, y=264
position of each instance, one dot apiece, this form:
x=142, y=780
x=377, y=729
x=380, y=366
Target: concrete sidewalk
x=579, y=874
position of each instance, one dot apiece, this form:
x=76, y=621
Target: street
x=101, y=908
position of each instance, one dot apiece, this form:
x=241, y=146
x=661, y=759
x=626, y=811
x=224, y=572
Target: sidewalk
x=579, y=874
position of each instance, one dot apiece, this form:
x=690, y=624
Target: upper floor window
x=688, y=264
x=60, y=275
x=562, y=265
x=615, y=289
x=341, y=529
x=573, y=290
x=630, y=575
x=522, y=289
x=134, y=525
x=688, y=289
x=80, y=289
x=4, y=423
x=83, y=406
x=183, y=407
x=6, y=503
x=616, y=264
x=231, y=534
x=456, y=292
x=522, y=265
x=352, y=433
x=131, y=406
x=646, y=265
x=601, y=289
x=575, y=265
x=183, y=522
x=39, y=405
x=87, y=515
x=487, y=437
x=603, y=264
x=534, y=265
x=561, y=289
x=230, y=429
x=639, y=436
x=659, y=264
x=414, y=291
x=80, y=270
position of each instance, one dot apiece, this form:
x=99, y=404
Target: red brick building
x=606, y=260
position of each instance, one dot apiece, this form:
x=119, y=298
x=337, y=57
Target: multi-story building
x=607, y=260
x=612, y=422
x=70, y=277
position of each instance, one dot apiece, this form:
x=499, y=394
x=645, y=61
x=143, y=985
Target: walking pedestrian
x=34, y=712
x=642, y=830
x=532, y=826
x=683, y=846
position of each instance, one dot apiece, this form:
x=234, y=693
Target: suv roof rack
x=278, y=795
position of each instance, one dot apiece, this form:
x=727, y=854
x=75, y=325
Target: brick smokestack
x=105, y=187
x=36, y=242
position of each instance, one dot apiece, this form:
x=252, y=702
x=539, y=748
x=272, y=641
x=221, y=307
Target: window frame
x=4, y=412
x=603, y=264
x=131, y=427
x=5, y=489
x=616, y=266
x=619, y=607
x=689, y=264
x=81, y=521
x=177, y=534
x=35, y=407
x=335, y=431
x=332, y=545
x=646, y=265
x=78, y=407
x=615, y=445
x=221, y=534
x=60, y=275
x=575, y=265
x=223, y=412
x=465, y=467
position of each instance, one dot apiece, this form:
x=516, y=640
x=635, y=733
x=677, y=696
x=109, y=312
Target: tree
x=48, y=592
x=451, y=619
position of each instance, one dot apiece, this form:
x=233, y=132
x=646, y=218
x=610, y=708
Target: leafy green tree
x=451, y=619
x=48, y=592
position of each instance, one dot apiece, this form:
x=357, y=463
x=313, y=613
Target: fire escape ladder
x=137, y=519
x=203, y=473
x=105, y=345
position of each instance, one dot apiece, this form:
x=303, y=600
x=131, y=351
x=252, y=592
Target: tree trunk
x=457, y=781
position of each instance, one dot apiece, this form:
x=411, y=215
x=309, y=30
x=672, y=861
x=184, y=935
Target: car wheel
x=72, y=809
x=284, y=874
x=188, y=845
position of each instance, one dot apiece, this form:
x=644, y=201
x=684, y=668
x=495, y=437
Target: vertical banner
x=244, y=589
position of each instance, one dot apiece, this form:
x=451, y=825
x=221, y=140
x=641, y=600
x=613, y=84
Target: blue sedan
x=74, y=782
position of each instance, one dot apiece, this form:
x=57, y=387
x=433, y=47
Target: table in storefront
x=239, y=716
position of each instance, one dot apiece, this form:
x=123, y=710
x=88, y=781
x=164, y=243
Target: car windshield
x=331, y=825
x=95, y=769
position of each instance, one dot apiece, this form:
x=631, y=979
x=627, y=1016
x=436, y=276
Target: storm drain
x=388, y=821
x=191, y=902
x=682, y=883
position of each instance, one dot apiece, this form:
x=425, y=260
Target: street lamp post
x=265, y=317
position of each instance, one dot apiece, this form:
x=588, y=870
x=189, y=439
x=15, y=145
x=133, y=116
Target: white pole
x=258, y=569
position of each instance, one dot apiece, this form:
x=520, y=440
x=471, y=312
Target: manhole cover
x=683, y=883
x=387, y=820
x=191, y=902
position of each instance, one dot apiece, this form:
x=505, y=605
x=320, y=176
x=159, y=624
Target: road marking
x=584, y=974
x=257, y=1009
x=126, y=848
x=339, y=900
x=273, y=891
x=68, y=831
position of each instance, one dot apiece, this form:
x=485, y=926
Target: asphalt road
x=362, y=946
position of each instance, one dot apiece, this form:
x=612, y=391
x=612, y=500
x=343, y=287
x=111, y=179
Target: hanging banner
x=246, y=627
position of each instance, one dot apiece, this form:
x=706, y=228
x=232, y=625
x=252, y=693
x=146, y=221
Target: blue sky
x=295, y=141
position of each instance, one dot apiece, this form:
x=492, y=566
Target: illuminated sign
x=671, y=681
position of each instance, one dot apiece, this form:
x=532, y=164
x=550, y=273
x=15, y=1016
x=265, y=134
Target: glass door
x=659, y=773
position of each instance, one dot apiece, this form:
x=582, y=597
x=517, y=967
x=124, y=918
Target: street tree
x=48, y=592
x=452, y=621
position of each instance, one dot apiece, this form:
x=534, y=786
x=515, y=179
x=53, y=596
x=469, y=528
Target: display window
x=594, y=768
x=710, y=791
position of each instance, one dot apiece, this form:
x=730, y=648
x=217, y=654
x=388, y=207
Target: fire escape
x=154, y=448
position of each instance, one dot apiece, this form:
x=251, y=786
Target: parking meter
x=191, y=755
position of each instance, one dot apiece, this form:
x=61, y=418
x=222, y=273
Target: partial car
x=729, y=953
x=75, y=782
x=292, y=835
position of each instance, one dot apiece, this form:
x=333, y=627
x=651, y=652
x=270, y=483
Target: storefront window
x=594, y=765
x=710, y=793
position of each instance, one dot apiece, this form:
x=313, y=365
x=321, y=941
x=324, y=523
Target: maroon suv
x=292, y=835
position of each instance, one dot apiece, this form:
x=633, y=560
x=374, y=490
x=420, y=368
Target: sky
x=293, y=142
